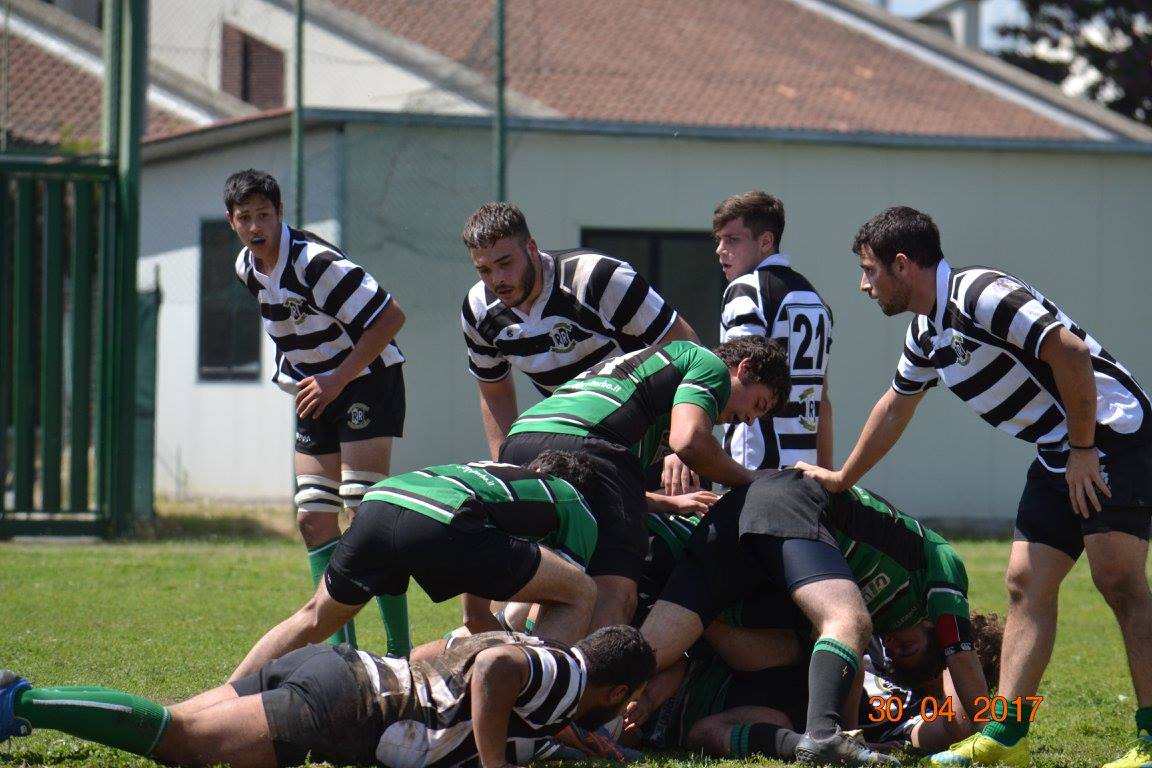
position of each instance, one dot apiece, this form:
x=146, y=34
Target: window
x=251, y=70
x=229, y=317
x=680, y=265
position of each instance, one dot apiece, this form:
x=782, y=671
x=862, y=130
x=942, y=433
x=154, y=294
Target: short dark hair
x=900, y=229
x=495, y=221
x=760, y=211
x=248, y=183
x=768, y=363
x=574, y=468
x=618, y=655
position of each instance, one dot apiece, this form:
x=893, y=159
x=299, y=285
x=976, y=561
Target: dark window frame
x=219, y=286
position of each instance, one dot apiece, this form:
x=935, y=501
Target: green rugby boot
x=979, y=749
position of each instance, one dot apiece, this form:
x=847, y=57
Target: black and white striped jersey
x=427, y=705
x=315, y=306
x=778, y=302
x=983, y=341
x=591, y=307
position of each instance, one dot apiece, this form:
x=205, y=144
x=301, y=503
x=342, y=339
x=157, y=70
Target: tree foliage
x=1106, y=47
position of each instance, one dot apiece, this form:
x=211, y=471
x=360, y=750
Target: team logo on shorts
x=963, y=356
x=562, y=340
x=298, y=309
x=358, y=416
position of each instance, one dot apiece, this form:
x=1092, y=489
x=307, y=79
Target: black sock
x=830, y=676
x=765, y=739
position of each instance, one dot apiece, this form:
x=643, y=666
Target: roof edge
x=275, y=122
x=446, y=73
x=90, y=39
x=993, y=67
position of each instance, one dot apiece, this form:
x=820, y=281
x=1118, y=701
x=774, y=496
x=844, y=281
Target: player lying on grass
x=492, y=700
x=495, y=530
x=852, y=564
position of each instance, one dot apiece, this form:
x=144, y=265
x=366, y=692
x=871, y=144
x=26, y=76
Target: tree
x=1102, y=50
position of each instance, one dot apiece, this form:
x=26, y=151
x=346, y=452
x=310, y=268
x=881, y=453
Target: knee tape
x=355, y=482
x=316, y=493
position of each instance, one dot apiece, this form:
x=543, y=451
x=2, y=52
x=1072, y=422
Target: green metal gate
x=69, y=241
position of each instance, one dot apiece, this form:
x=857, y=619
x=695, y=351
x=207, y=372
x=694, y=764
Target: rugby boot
x=979, y=749
x=839, y=749
x=1140, y=756
x=11, y=685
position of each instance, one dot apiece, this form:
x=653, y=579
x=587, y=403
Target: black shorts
x=1045, y=515
x=386, y=545
x=320, y=704
x=721, y=567
x=781, y=688
x=370, y=406
x=619, y=506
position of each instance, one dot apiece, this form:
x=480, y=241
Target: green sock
x=102, y=715
x=1144, y=721
x=772, y=741
x=318, y=562
x=394, y=611
x=1014, y=725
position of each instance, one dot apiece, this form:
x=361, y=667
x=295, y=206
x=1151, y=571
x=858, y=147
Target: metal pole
x=23, y=341
x=500, y=128
x=81, y=344
x=110, y=139
x=52, y=346
x=135, y=83
x=298, y=123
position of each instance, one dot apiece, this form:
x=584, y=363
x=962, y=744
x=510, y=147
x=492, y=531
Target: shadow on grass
x=185, y=527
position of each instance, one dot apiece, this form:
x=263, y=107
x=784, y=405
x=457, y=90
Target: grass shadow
x=209, y=521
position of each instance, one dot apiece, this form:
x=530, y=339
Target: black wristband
x=1082, y=447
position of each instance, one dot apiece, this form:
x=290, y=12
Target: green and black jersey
x=622, y=399
x=505, y=496
x=905, y=572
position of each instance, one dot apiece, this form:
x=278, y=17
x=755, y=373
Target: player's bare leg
x=671, y=630
x=1035, y=572
x=714, y=735
x=319, y=617
x=233, y=731
x=615, y=601
x=1118, y=562
x=566, y=596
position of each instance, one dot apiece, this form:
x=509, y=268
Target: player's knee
x=318, y=505
x=1121, y=585
x=354, y=483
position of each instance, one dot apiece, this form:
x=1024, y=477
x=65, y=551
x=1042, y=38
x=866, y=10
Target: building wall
x=337, y=73
x=1073, y=224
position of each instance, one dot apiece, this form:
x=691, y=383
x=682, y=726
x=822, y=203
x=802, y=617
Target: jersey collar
x=776, y=260
x=943, y=279
x=273, y=278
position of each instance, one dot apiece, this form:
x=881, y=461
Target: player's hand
x=677, y=478
x=695, y=503
x=833, y=482
x=636, y=713
x=315, y=393
x=1084, y=480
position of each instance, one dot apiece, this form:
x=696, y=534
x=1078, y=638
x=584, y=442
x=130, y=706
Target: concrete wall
x=1073, y=224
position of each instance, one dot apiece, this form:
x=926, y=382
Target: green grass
x=169, y=618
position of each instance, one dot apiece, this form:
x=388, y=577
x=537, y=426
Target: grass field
x=170, y=617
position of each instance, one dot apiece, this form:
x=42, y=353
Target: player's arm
x=679, y=331
x=690, y=437
x=964, y=681
x=498, y=411
x=658, y=690
x=824, y=455
x=885, y=424
x=316, y=392
x=498, y=676
x=687, y=504
x=1071, y=365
